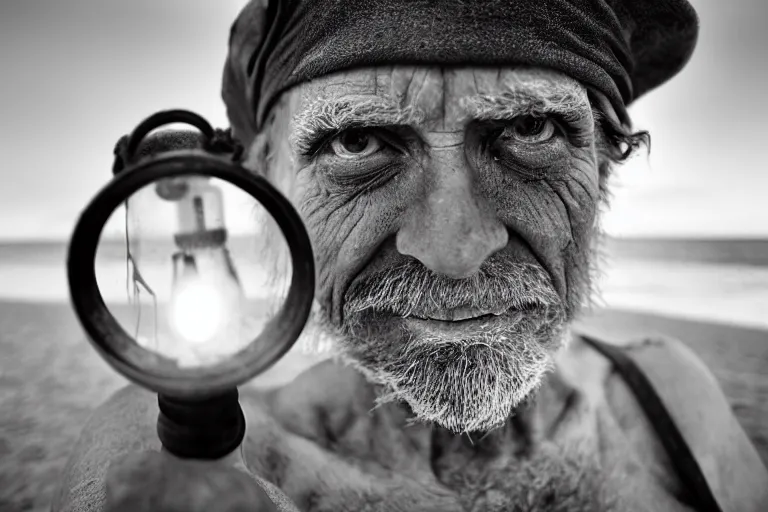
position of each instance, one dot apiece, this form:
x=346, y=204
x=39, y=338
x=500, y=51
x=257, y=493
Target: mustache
x=410, y=288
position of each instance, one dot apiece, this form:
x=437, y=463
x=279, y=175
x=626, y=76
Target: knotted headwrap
x=621, y=48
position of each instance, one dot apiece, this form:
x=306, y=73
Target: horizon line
x=631, y=237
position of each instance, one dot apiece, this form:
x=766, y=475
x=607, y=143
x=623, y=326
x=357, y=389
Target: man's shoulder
x=679, y=377
x=693, y=397
x=685, y=386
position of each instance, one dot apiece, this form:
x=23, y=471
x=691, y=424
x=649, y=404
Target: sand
x=51, y=379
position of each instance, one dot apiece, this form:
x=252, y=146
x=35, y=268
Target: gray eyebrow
x=325, y=116
x=488, y=107
x=333, y=115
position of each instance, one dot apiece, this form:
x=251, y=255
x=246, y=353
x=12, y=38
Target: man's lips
x=467, y=321
x=459, y=314
x=465, y=314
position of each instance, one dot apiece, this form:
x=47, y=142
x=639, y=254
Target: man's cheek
x=348, y=228
x=581, y=201
x=317, y=215
x=331, y=223
x=554, y=213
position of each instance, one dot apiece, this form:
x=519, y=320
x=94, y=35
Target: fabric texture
x=622, y=48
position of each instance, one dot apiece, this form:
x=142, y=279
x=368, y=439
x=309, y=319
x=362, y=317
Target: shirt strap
x=709, y=450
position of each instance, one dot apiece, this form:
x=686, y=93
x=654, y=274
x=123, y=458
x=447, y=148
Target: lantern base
x=208, y=428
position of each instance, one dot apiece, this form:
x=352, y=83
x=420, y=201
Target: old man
x=450, y=161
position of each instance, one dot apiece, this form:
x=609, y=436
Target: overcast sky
x=78, y=74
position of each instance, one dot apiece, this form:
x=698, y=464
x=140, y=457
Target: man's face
x=452, y=214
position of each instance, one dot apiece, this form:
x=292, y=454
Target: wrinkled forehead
x=429, y=95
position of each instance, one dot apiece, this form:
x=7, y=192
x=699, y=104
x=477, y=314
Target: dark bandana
x=621, y=48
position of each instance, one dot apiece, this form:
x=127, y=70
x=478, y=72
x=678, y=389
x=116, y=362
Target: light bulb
x=197, y=311
x=205, y=308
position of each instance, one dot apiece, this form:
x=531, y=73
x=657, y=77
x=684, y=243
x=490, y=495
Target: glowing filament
x=198, y=311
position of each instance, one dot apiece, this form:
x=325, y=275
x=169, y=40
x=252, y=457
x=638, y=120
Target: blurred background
x=688, y=253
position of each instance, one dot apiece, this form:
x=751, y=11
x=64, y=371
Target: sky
x=78, y=74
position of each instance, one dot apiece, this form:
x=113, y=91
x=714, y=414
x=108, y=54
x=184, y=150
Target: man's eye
x=355, y=143
x=530, y=129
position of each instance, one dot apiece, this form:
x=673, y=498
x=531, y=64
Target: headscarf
x=621, y=48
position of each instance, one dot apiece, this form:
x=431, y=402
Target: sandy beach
x=51, y=379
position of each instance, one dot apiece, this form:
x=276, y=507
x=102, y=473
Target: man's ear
x=245, y=39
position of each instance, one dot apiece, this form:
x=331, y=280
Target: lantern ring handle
x=162, y=118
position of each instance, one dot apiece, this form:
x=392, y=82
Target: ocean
x=724, y=281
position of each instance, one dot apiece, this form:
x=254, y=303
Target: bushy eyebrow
x=567, y=103
x=326, y=116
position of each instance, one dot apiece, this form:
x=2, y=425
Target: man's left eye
x=530, y=129
x=355, y=143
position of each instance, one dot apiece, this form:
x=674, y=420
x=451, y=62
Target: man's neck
x=519, y=436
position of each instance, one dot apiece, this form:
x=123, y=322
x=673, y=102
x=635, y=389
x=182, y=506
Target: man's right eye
x=356, y=143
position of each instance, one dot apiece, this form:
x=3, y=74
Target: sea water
x=724, y=281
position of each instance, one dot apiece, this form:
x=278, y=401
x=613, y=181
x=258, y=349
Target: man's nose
x=450, y=229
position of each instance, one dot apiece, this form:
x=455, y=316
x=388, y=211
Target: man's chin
x=464, y=376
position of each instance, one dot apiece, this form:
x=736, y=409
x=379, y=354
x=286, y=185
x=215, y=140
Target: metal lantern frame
x=149, y=369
